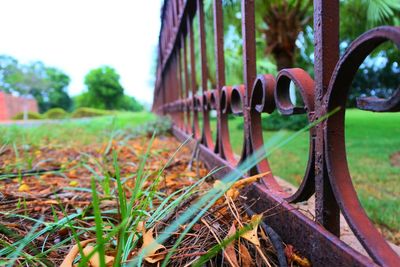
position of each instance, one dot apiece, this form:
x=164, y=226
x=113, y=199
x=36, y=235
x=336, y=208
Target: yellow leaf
x=73, y=183
x=246, y=181
x=24, y=188
x=252, y=235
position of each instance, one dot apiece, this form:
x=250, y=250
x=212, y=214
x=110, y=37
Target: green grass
x=371, y=138
x=89, y=130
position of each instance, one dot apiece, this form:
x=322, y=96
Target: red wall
x=11, y=105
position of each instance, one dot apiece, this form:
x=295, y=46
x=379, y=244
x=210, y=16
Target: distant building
x=12, y=105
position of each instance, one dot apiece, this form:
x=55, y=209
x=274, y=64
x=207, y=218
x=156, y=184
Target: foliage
x=378, y=76
x=105, y=92
x=58, y=95
x=103, y=84
x=129, y=103
x=46, y=84
x=30, y=115
x=56, y=113
x=89, y=112
x=276, y=121
x=289, y=21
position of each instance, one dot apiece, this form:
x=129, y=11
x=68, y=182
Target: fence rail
x=177, y=94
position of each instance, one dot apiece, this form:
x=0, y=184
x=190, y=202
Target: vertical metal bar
x=249, y=45
x=203, y=49
x=180, y=87
x=195, y=122
x=249, y=65
x=326, y=32
x=219, y=64
x=206, y=137
x=186, y=76
x=219, y=44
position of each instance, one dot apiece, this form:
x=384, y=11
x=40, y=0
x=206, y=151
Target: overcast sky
x=79, y=35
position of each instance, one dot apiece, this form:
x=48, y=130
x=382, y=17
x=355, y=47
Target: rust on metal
x=327, y=174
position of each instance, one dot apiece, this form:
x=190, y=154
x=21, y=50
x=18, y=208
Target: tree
x=46, y=84
x=281, y=22
x=129, y=103
x=8, y=69
x=104, y=86
x=58, y=95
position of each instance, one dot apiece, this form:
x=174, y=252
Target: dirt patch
x=395, y=159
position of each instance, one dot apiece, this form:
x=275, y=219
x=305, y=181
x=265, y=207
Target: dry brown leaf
x=233, y=192
x=95, y=258
x=50, y=202
x=148, y=240
x=69, y=259
x=108, y=203
x=72, y=174
x=245, y=257
x=229, y=251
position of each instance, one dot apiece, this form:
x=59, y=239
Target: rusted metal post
x=326, y=34
x=206, y=134
x=249, y=65
x=219, y=63
x=195, y=122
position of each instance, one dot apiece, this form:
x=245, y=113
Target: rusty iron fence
x=178, y=95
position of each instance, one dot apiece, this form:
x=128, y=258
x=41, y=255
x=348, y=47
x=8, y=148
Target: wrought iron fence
x=327, y=173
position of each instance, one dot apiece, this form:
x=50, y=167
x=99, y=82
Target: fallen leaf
x=229, y=251
x=51, y=202
x=69, y=259
x=24, y=188
x=245, y=257
x=72, y=174
x=233, y=192
x=292, y=256
x=95, y=258
x=148, y=240
x=252, y=235
x=73, y=183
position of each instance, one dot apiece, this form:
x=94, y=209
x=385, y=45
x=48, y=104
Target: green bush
x=89, y=112
x=56, y=113
x=276, y=121
x=31, y=116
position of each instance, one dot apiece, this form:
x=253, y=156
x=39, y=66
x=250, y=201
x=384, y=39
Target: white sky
x=79, y=35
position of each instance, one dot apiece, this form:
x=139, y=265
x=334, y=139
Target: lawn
x=371, y=140
x=95, y=129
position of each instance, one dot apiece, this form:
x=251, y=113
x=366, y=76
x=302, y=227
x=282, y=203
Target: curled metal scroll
x=335, y=149
x=225, y=105
x=305, y=85
x=262, y=100
x=206, y=138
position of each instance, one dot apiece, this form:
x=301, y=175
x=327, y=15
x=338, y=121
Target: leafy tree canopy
x=103, y=84
x=104, y=91
x=47, y=85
